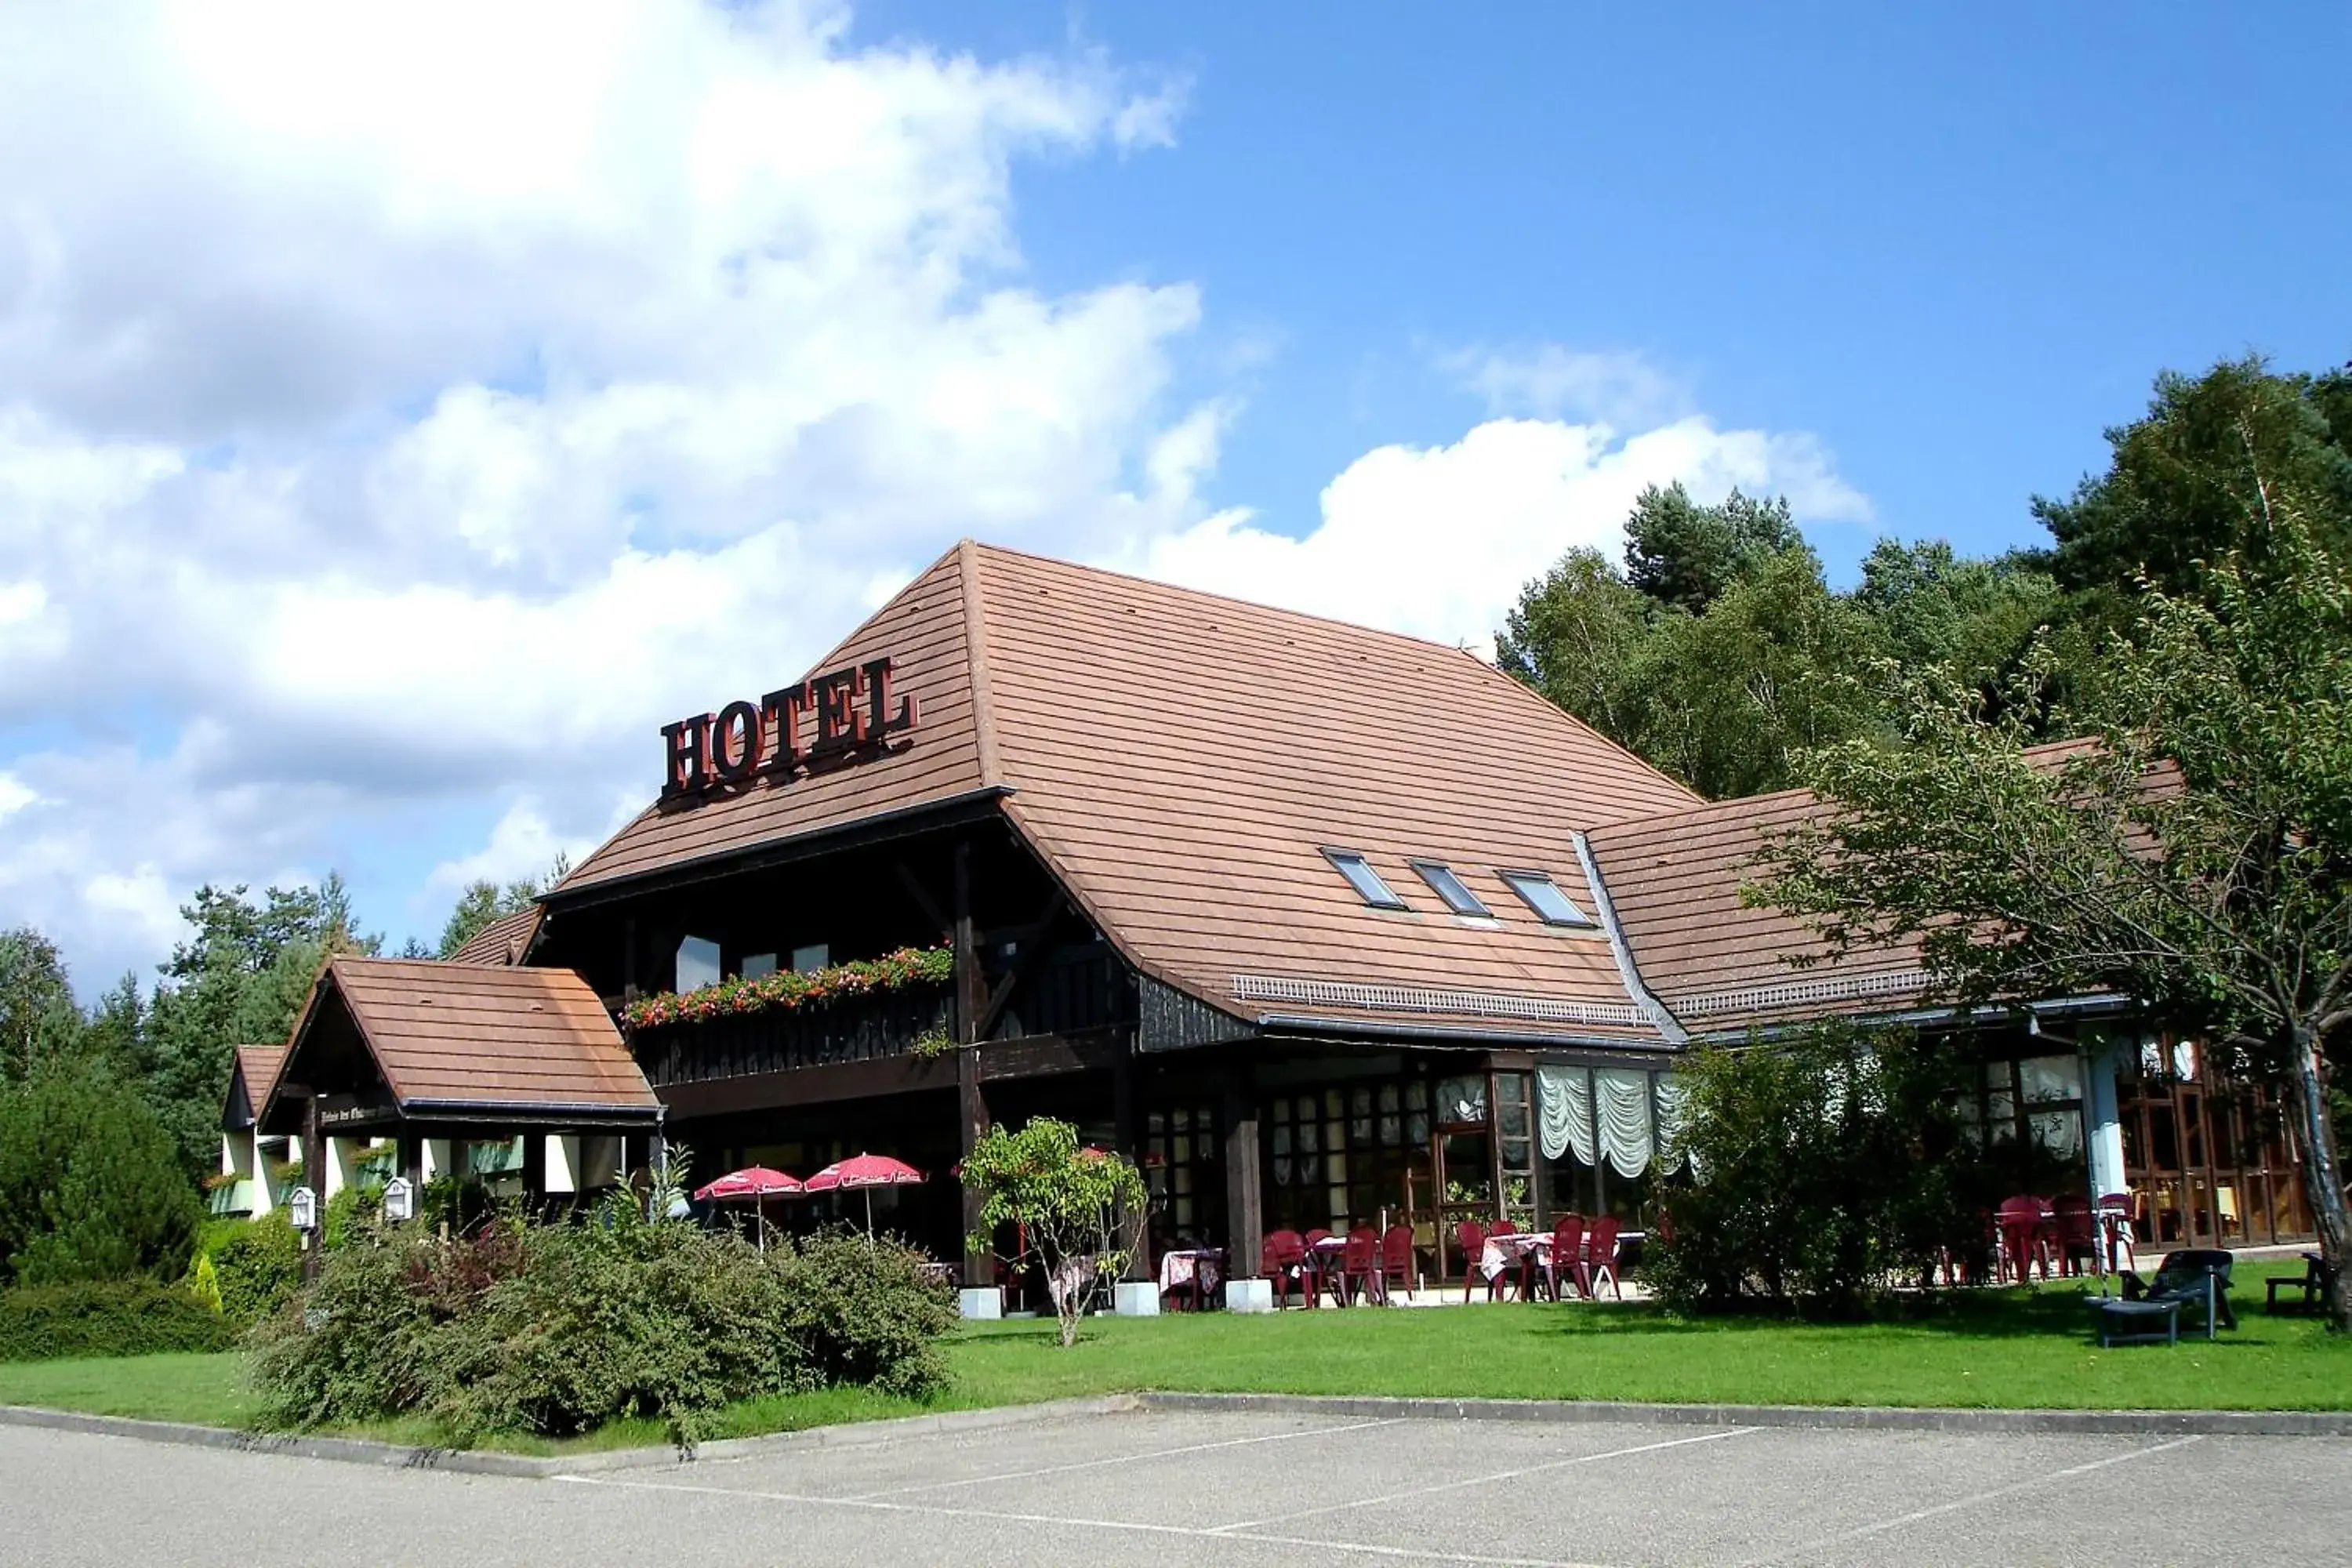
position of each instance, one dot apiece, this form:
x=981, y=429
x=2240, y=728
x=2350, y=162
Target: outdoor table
x=1325, y=1260
x=1505, y=1249
x=1202, y=1267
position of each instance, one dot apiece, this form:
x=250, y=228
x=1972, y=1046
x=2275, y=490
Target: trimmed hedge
x=116, y=1318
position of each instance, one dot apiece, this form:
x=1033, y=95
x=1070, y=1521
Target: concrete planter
x=1249, y=1295
x=1136, y=1299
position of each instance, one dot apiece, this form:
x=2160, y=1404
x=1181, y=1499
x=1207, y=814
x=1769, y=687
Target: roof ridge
x=1259, y=605
x=975, y=657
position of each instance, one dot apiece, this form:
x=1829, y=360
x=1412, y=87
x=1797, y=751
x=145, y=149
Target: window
x=1543, y=896
x=755, y=965
x=1364, y=880
x=807, y=958
x=697, y=964
x=1450, y=888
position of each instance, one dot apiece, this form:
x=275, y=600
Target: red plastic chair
x=1472, y=1238
x=1359, y=1263
x=2076, y=1233
x=1567, y=1256
x=2116, y=1211
x=1282, y=1260
x=1396, y=1260
x=2018, y=1222
x=1601, y=1256
x=1320, y=1269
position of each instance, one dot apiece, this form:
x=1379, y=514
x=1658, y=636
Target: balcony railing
x=856, y=1029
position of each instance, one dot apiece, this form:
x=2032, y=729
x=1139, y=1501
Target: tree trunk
x=2323, y=1167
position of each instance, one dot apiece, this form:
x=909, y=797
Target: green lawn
x=2010, y=1348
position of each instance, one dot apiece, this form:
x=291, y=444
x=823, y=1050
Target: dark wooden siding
x=857, y=1030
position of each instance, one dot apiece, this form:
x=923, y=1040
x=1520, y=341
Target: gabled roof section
x=1183, y=761
x=1720, y=968
x=505, y=942
x=924, y=631
x=252, y=1073
x=451, y=1037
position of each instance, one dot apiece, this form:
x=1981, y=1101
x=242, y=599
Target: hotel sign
x=840, y=715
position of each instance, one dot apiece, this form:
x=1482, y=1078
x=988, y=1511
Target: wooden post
x=314, y=1176
x=1245, y=1194
x=411, y=1164
x=971, y=1125
x=972, y=1105
x=1129, y=1126
x=534, y=1172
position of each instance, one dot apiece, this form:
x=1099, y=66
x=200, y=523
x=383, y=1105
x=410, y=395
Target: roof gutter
x=1921, y=1017
x=1314, y=1023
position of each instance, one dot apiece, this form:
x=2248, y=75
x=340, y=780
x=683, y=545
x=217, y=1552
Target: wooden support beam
x=924, y=904
x=1031, y=945
x=314, y=1176
x=971, y=994
x=1244, y=1190
x=971, y=1126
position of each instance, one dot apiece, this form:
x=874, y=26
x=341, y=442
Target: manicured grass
x=2020, y=1348
x=208, y=1389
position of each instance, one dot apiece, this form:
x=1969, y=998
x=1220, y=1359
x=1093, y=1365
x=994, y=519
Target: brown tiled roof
x=1181, y=759
x=505, y=941
x=254, y=1073
x=1674, y=879
x=923, y=629
x=481, y=1037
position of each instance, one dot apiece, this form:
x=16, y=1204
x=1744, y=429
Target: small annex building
x=1323, y=925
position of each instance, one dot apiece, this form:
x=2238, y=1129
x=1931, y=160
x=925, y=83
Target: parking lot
x=1210, y=1490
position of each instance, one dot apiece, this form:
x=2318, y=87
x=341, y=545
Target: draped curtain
x=1609, y=1112
x=1564, y=1108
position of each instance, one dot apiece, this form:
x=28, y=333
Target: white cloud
x=1437, y=541
x=410, y=407
x=1626, y=391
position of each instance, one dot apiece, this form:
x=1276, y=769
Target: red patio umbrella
x=756, y=1182
x=867, y=1171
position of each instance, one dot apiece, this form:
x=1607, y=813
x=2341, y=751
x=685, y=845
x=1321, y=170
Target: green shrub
x=90, y=1185
x=558, y=1329
x=259, y=1265
x=109, y=1318
x=1823, y=1169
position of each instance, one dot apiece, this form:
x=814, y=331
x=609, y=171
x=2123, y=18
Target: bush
x=259, y=1264
x=1821, y=1171
x=112, y=1317
x=558, y=1329
x=90, y=1185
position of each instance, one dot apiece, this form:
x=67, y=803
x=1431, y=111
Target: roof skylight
x=1543, y=895
x=1364, y=880
x=1450, y=888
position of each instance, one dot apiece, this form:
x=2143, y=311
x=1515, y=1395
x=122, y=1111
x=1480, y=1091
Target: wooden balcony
x=857, y=1029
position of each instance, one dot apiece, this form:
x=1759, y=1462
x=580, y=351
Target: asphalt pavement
x=1208, y=1490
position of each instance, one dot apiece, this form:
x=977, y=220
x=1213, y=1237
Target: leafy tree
x=38, y=1021
x=1933, y=605
x=1726, y=699
x=1080, y=1209
x=240, y=980
x=2173, y=495
x=1573, y=637
x=2197, y=856
x=484, y=900
x=1684, y=555
x=90, y=1185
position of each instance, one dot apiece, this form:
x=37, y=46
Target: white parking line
x=1866, y=1531
x=1122, y=1459
x=940, y=1510
x=1249, y=1524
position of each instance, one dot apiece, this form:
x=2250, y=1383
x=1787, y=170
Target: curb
x=532, y=1466
x=1867, y=1417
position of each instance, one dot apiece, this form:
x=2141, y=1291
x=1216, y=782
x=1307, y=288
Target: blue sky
x=404, y=411
x=1955, y=241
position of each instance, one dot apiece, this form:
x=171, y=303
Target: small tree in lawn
x=1078, y=1209
x=2196, y=856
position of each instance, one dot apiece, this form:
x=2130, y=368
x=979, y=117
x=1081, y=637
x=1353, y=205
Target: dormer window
x=1364, y=880
x=1542, y=894
x=1452, y=889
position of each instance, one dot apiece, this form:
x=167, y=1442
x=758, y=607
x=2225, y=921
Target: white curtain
x=1564, y=1105
x=1624, y=1103
x=1670, y=1121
